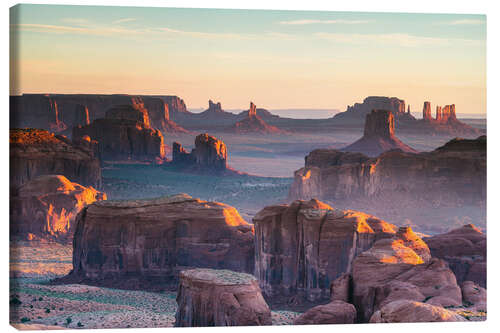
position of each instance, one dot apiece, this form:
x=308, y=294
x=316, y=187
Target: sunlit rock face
x=46, y=207
x=145, y=243
x=465, y=251
x=209, y=297
x=125, y=134
x=208, y=156
x=302, y=247
x=453, y=174
x=406, y=311
x=35, y=152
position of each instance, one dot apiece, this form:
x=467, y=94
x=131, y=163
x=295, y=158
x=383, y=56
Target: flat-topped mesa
x=36, y=152
x=360, y=110
x=209, y=297
x=302, y=247
x=426, y=112
x=46, y=207
x=208, y=155
x=143, y=244
x=125, y=134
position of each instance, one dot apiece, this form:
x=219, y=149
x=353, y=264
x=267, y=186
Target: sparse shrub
x=40, y=298
x=47, y=310
x=79, y=324
x=427, y=298
x=68, y=320
x=60, y=309
x=24, y=319
x=15, y=301
x=31, y=306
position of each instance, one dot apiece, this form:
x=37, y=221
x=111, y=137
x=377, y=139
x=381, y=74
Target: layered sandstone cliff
x=46, y=207
x=35, y=152
x=144, y=244
x=124, y=134
x=378, y=136
x=454, y=174
x=302, y=247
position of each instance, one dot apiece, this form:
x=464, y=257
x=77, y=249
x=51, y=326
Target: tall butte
x=378, y=136
x=253, y=123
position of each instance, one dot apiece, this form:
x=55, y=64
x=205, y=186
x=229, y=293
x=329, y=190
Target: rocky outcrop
x=208, y=297
x=145, y=243
x=37, y=111
x=358, y=111
x=404, y=259
x=209, y=155
x=253, y=123
x=302, y=247
x=46, y=207
x=336, y=312
x=465, y=251
x=378, y=136
x=452, y=175
x=426, y=112
x=404, y=311
x=81, y=115
x=474, y=295
x=35, y=152
x=125, y=134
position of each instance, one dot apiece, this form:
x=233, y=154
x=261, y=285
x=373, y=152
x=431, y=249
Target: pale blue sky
x=279, y=59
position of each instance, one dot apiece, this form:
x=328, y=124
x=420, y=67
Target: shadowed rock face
x=405, y=311
x=208, y=156
x=144, y=244
x=253, y=123
x=35, y=152
x=46, y=207
x=302, y=247
x=360, y=110
x=378, y=136
x=124, y=134
x=465, y=251
x=453, y=174
x=336, y=312
x=208, y=297
x=81, y=115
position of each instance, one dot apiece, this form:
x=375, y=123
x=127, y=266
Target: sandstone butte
x=209, y=297
x=45, y=207
x=125, y=134
x=465, y=251
x=35, y=152
x=60, y=112
x=253, y=123
x=455, y=171
x=302, y=247
x=378, y=135
x=143, y=244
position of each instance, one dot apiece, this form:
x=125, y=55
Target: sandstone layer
x=404, y=311
x=208, y=297
x=35, y=152
x=336, y=312
x=145, y=243
x=46, y=207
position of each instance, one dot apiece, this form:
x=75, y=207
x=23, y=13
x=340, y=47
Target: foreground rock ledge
x=208, y=297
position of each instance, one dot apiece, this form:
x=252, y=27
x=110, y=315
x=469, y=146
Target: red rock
x=405, y=311
x=81, y=115
x=253, y=123
x=46, y=207
x=143, y=244
x=341, y=288
x=427, y=111
x=474, y=295
x=336, y=312
x=35, y=152
x=208, y=297
x=302, y=247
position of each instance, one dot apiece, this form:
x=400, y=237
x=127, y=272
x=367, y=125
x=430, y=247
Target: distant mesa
x=208, y=156
x=124, y=134
x=378, y=135
x=45, y=207
x=36, y=152
x=358, y=111
x=253, y=123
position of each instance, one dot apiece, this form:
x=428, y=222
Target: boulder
x=336, y=312
x=46, y=207
x=465, y=251
x=473, y=294
x=302, y=247
x=341, y=288
x=208, y=297
x=35, y=152
x=405, y=311
x=143, y=244
x=125, y=134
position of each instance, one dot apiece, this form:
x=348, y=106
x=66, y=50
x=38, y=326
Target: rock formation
x=253, y=123
x=124, y=134
x=336, y=312
x=453, y=174
x=209, y=155
x=302, y=247
x=81, y=115
x=378, y=135
x=145, y=243
x=474, y=295
x=359, y=110
x=208, y=297
x=465, y=251
x=427, y=111
x=405, y=311
x=46, y=207
x=35, y=152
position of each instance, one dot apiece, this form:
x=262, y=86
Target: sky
x=277, y=59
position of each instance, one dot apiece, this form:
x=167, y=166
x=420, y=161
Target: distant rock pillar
x=439, y=115
x=252, y=112
x=427, y=111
